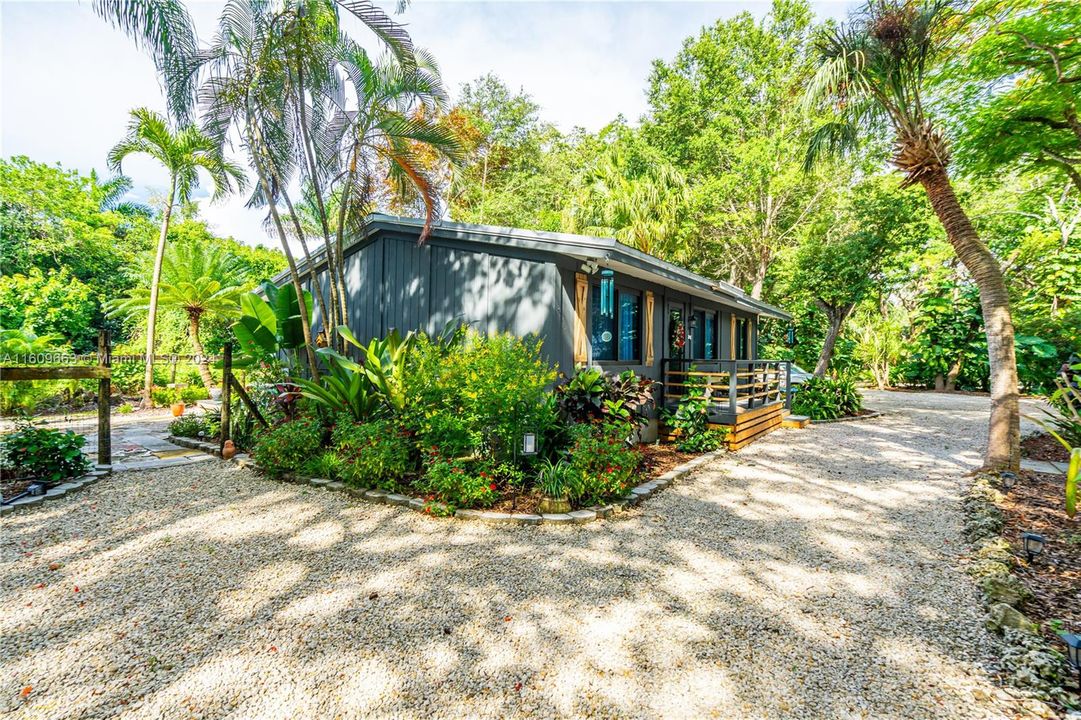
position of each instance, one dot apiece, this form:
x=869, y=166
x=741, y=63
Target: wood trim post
x=581, y=306
x=105, y=391
x=732, y=321
x=649, y=329
x=226, y=388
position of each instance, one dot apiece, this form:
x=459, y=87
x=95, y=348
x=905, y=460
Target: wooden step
x=796, y=421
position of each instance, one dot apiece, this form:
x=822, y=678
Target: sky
x=68, y=79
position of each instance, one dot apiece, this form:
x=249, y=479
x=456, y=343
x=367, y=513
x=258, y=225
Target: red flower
x=492, y=487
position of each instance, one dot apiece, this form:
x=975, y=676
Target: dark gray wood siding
x=394, y=283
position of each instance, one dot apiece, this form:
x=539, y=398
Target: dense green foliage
x=44, y=454
x=372, y=454
x=290, y=446
x=822, y=398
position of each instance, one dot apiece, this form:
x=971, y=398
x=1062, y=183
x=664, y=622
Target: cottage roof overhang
x=605, y=252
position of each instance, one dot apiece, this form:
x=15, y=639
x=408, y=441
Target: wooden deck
x=746, y=398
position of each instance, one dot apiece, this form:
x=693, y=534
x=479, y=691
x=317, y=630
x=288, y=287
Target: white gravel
x=813, y=574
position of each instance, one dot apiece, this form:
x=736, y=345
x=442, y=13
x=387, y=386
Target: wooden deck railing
x=730, y=387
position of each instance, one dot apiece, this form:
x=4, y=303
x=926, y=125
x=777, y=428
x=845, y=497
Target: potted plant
x=552, y=481
x=176, y=403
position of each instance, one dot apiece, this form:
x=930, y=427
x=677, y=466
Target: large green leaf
x=287, y=312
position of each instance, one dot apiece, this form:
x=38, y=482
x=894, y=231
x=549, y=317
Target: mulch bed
x=656, y=460
x=1044, y=447
x=1037, y=504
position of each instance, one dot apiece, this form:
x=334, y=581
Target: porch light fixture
x=529, y=443
x=1073, y=652
x=608, y=292
x=1033, y=544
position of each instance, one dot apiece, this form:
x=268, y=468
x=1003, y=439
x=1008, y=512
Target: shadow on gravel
x=763, y=588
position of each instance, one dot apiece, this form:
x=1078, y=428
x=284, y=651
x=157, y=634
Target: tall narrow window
x=742, y=339
x=677, y=333
x=616, y=326
x=698, y=323
x=709, y=336
x=630, y=324
x=603, y=321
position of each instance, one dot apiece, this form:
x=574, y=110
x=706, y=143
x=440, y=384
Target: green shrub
x=373, y=454
x=496, y=385
x=459, y=482
x=593, y=395
x=555, y=479
x=827, y=399
x=193, y=393
x=328, y=464
x=44, y=454
x=125, y=409
x=604, y=464
x=449, y=434
x=290, y=446
x=190, y=426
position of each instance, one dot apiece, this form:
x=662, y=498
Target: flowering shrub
x=602, y=461
x=373, y=454
x=289, y=446
x=449, y=433
x=459, y=482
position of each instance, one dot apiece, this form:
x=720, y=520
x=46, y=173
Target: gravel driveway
x=813, y=574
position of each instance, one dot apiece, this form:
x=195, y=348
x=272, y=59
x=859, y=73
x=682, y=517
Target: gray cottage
x=593, y=301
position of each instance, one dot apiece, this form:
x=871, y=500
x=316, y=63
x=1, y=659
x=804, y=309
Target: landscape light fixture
x=1073, y=652
x=529, y=443
x=1009, y=479
x=1033, y=544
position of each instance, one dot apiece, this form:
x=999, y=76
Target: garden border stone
x=634, y=496
x=59, y=491
x=852, y=418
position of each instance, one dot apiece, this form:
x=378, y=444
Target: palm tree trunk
x=291, y=261
x=337, y=297
x=1004, y=433
x=197, y=344
x=155, y=283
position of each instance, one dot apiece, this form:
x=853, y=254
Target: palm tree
x=197, y=279
x=183, y=153
x=641, y=210
x=873, y=70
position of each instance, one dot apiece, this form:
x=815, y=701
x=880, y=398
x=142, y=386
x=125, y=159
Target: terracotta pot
x=178, y=409
x=550, y=505
x=228, y=450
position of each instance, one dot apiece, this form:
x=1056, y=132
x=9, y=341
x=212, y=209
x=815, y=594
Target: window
x=617, y=334
x=743, y=337
x=677, y=333
x=709, y=336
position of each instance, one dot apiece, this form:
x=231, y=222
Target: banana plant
x=269, y=326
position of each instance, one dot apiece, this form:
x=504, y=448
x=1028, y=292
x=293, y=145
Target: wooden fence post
x=226, y=391
x=105, y=391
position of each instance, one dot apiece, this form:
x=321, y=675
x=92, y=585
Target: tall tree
x=873, y=70
x=183, y=153
x=1013, y=88
x=726, y=111
x=201, y=281
x=633, y=194
x=849, y=253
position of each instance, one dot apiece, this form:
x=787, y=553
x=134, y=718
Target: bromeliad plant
x=592, y=395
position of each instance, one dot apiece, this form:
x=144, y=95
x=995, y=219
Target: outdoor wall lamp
x=1033, y=544
x=1073, y=652
x=529, y=444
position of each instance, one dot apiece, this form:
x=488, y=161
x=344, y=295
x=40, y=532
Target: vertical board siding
x=406, y=271
x=363, y=271
x=459, y=288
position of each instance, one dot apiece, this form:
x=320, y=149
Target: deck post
x=787, y=384
x=105, y=390
x=733, y=390
x=226, y=392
